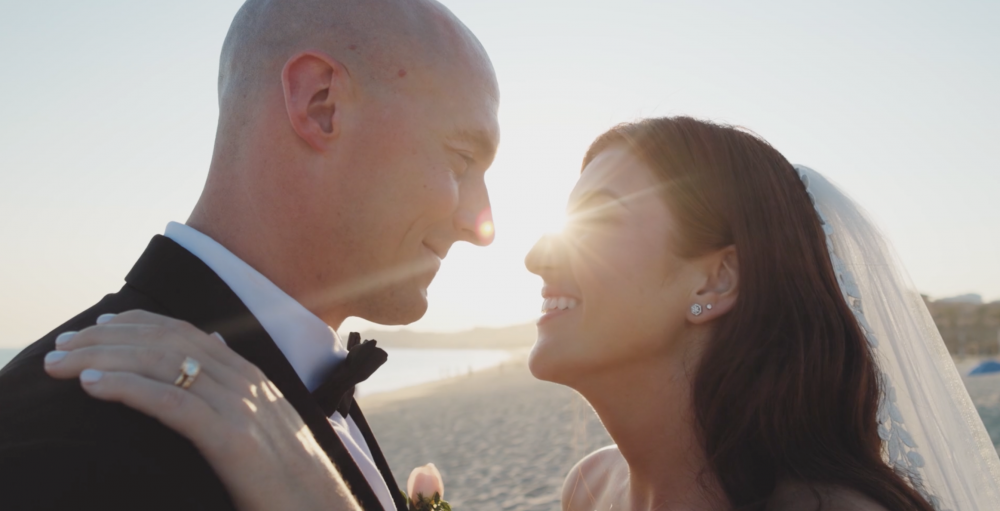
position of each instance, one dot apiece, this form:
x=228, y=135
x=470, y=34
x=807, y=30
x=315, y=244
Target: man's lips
x=440, y=254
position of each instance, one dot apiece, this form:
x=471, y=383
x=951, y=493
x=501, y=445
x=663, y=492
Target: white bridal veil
x=931, y=432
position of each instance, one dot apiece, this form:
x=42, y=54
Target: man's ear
x=717, y=295
x=314, y=86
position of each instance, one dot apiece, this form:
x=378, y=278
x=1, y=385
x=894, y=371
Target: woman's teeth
x=560, y=303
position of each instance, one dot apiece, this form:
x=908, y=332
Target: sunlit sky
x=108, y=112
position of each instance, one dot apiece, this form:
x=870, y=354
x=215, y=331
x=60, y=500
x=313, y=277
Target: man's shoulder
x=125, y=299
x=54, y=434
x=74, y=473
x=35, y=405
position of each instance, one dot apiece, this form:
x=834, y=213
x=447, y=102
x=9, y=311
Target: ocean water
x=984, y=389
x=6, y=354
x=409, y=367
x=989, y=409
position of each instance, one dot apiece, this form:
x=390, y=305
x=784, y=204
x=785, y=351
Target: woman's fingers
x=178, y=409
x=151, y=363
x=139, y=327
x=152, y=344
x=141, y=317
x=133, y=334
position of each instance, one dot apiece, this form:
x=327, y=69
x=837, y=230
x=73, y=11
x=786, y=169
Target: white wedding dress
x=931, y=432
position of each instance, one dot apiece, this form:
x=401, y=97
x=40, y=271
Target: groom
x=352, y=141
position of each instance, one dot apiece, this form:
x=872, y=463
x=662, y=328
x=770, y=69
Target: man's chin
x=403, y=309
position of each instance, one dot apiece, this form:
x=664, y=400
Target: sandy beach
x=502, y=440
x=505, y=441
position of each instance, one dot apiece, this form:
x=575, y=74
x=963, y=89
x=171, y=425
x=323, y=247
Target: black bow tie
x=336, y=394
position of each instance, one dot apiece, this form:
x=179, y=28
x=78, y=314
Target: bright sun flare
x=556, y=225
x=486, y=229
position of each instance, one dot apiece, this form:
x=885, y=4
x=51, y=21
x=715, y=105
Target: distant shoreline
x=513, y=337
x=518, y=359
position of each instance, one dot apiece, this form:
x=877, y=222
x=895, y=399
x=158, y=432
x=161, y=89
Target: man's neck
x=254, y=248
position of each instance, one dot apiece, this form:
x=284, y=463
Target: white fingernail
x=54, y=356
x=104, y=318
x=90, y=375
x=64, y=337
x=218, y=336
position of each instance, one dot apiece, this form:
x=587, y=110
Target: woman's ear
x=717, y=295
x=314, y=85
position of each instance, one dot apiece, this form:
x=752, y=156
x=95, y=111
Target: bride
x=739, y=326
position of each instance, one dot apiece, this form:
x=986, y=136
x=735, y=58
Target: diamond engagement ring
x=190, y=369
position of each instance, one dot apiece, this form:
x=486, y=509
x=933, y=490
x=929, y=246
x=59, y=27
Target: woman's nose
x=545, y=254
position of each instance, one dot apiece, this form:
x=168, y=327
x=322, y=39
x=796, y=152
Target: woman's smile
x=554, y=306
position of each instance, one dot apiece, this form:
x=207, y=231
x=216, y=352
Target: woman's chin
x=549, y=363
x=539, y=364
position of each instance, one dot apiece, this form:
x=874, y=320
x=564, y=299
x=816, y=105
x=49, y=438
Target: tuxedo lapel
x=378, y=457
x=187, y=288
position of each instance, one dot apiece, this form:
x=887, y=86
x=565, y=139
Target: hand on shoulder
x=591, y=481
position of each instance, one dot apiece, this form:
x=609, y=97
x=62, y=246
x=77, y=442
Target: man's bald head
x=378, y=41
x=350, y=155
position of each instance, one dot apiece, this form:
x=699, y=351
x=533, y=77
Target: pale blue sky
x=108, y=110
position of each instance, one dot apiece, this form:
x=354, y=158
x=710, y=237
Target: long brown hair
x=787, y=388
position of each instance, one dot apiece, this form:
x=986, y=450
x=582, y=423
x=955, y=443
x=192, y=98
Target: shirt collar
x=309, y=344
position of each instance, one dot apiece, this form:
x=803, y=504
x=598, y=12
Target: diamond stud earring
x=696, y=309
x=709, y=306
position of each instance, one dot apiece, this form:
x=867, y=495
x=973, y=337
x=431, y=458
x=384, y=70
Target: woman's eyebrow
x=594, y=198
x=607, y=193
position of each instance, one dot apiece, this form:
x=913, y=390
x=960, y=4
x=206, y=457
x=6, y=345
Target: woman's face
x=614, y=293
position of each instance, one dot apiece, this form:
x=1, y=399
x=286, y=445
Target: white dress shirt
x=312, y=348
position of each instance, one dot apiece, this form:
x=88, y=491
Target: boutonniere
x=425, y=489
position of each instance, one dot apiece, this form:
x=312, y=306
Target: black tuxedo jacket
x=62, y=449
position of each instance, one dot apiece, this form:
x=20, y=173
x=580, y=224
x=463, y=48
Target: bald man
x=352, y=141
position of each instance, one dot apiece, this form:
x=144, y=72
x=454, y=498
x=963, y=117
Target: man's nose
x=474, y=220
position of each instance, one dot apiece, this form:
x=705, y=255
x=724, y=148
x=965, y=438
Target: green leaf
x=435, y=503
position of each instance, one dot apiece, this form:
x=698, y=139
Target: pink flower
x=424, y=482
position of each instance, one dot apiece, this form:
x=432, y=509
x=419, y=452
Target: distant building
x=972, y=298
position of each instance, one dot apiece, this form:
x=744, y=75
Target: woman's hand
x=235, y=416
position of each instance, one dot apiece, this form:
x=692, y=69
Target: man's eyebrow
x=481, y=141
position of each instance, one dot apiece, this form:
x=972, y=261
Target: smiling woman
x=710, y=335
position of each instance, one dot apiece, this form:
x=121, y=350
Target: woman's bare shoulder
x=799, y=496
x=587, y=482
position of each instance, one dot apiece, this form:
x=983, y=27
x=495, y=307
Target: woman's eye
x=597, y=216
x=587, y=224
